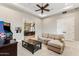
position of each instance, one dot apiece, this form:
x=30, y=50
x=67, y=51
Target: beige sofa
x=54, y=42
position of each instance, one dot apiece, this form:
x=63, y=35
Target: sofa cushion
x=45, y=35
x=52, y=36
x=59, y=37
x=43, y=38
x=55, y=43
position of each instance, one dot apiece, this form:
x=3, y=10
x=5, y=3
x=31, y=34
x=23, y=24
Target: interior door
x=66, y=26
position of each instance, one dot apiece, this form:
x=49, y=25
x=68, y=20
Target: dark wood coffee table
x=32, y=45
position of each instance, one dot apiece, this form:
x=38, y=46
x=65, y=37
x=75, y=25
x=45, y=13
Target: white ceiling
x=54, y=8
x=32, y=7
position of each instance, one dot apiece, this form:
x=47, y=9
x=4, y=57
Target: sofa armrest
x=56, y=45
x=62, y=39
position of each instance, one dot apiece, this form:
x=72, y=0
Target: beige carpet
x=71, y=49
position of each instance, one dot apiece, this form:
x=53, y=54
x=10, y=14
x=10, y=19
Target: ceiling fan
x=42, y=8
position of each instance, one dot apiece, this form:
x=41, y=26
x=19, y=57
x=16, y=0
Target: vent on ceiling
x=64, y=12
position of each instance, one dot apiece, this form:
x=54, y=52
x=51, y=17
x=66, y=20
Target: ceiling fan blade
x=38, y=6
x=46, y=9
x=46, y=5
x=38, y=10
x=41, y=11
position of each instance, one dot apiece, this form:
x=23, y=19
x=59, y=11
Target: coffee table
x=32, y=45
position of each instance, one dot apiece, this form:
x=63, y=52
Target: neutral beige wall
x=50, y=23
x=17, y=20
x=77, y=25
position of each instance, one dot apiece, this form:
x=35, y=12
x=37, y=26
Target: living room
x=60, y=22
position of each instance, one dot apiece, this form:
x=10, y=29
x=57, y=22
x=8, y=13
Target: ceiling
x=31, y=7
